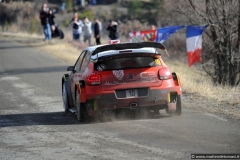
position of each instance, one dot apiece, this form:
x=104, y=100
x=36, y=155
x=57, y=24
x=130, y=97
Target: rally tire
x=82, y=115
x=77, y=104
x=65, y=98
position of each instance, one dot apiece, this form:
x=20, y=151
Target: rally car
x=128, y=76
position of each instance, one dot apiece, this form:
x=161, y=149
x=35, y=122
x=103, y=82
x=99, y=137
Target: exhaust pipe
x=133, y=105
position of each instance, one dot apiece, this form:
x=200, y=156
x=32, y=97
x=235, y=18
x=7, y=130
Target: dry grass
x=67, y=50
x=63, y=51
x=200, y=93
x=195, y=80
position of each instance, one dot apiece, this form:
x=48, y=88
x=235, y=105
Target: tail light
x=94, y=79
x=164, y=73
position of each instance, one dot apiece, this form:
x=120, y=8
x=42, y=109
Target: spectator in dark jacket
x=113, y=30
x=44, y=17
x=51, y=20
x=97, y=31
x=77, y=25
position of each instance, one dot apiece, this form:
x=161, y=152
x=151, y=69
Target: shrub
x=86, y=13
x=34, y=26
x=130, y=26
x=5, y=26
x=69, y=5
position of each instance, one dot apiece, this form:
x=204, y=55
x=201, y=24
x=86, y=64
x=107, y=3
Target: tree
x=134, y=9
x=155, y=11
x=150, y=11
x=221, y=39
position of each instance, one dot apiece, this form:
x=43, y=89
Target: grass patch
x=63, y=51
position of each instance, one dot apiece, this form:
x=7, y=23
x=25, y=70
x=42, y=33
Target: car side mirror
x=71, y=68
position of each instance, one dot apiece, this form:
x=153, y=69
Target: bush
x=5, y=26
x=131, y=26
x=69, y=5
x=35, y=26
x=86, y=13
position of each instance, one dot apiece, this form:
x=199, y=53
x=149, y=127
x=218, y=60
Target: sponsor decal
x=157, y=61
x=118, y=74
x=148, y=76
x=101, y=67
x=107, y=83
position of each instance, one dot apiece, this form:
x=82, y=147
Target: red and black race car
x=127, y=76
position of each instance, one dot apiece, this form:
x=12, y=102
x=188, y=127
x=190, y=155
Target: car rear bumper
x=154, y=98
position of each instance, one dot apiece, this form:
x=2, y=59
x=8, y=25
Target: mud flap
x=172, y=106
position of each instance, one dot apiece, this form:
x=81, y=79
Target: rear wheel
x=65, y=98
x=178, y=110
x=82, y=115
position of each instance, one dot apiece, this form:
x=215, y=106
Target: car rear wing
x=122, y=46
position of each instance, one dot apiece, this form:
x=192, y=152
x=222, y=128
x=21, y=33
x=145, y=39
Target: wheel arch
x=79, y=87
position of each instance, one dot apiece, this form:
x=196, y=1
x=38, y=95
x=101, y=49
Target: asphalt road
x=34, y=126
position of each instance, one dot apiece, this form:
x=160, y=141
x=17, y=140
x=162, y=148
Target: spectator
x=44, y=17
x=97, y=31
x=87, y=30
x=77, y=27
x=63, y=5
x=51, y=20
x=113, y=30
x=153, y=27
x=82, y=3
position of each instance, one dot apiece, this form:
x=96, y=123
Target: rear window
x=126, y=63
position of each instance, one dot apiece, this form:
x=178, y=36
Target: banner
x=164, y=33
x=143, y=36
x=194, y=43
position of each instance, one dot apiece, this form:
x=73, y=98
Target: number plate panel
x=131, y=93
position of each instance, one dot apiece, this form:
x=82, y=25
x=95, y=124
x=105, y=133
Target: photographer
x=51, y=20
x=77, y=27
x=44, y=17
x=113, y=30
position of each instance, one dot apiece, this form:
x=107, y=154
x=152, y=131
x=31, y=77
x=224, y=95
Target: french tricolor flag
x=194, y=43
